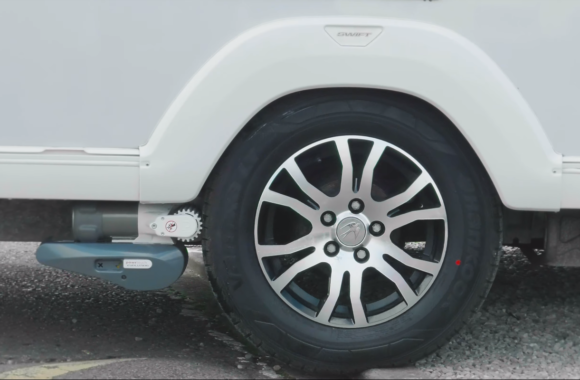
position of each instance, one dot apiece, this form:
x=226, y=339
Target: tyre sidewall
x=258, y=155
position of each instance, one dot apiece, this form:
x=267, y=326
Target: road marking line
x=49, y=371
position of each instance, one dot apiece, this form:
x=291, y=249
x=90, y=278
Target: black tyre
x=350, y=229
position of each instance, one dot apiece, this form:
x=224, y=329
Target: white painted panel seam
x=67, y=162
x=571, y=160
x=570, y=183
x=52, y=150
x=570, y=189
x=112, y=151
x=70, y=182
x=571, y=171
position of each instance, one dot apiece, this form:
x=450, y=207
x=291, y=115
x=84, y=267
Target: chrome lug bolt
x=331, y=248
x=328, y=218
x=377, y=228
x=361, y=255
x=356, y=206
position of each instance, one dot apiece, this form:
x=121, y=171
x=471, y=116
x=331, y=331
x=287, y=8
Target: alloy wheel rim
x=363, y=238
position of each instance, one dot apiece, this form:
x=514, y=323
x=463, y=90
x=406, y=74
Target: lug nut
x=328, y=218
x=361, y=255
x=377, y=228
x=331, y=248
x=356, y=206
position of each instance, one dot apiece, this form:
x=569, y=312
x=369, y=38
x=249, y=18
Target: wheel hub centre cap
x=351, y=231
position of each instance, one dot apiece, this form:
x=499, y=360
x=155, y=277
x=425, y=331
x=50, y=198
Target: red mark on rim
x=458, y=262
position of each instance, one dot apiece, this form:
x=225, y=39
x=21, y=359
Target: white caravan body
x=137, y=100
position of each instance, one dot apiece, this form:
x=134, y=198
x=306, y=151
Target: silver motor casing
x=102, y=221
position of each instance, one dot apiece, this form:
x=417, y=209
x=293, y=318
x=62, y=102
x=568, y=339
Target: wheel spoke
x=412, y=216
x=296, y=173
x=346, y=160
x=381, y=209
x=406, y=259
x=333, y=293
x=304, y=242
x=419, y=184
x=385, y=247
x=386, y=257
x=366, y=181
x=283, y=200
x=306, y=263
x=389, y=272
x=358, y=311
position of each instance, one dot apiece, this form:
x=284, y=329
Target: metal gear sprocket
x=191, y=212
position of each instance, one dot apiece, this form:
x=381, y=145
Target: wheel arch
x=463, y=84
x=286, y=102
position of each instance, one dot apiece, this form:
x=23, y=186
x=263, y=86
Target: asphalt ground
x=54, y=324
